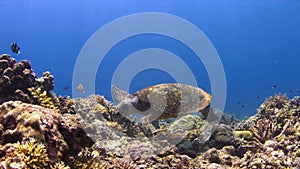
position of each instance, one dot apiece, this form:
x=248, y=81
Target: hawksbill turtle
x=162, y=101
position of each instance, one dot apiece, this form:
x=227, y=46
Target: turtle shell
x=170, y=100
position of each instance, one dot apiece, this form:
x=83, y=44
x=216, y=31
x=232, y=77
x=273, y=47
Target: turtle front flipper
x=119, y=95
x=125, y=101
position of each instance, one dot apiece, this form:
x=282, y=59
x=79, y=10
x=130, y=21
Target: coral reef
x=40, y=130
x=243, y=147
x=61, y=136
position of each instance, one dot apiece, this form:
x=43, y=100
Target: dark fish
x=66, y=88
x=243, y=106
x=274, y=86
x=15, y=48
x=258, y=97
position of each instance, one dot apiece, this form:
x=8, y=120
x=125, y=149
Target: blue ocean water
x=257, y=42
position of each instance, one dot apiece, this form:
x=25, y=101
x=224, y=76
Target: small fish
x=243, y=106
x=258, y=97
x=66, y=88
x=15, y=48
x=80, y=88
x=274, y=86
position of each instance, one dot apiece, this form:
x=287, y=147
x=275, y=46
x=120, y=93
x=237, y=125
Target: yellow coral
x=111, y=123
x=43, y=97
x=102, y=109
x=33, y=154
x=242, y=134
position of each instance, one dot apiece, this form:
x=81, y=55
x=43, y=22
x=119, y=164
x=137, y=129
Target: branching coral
x=34, y=154
x=29, y=154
